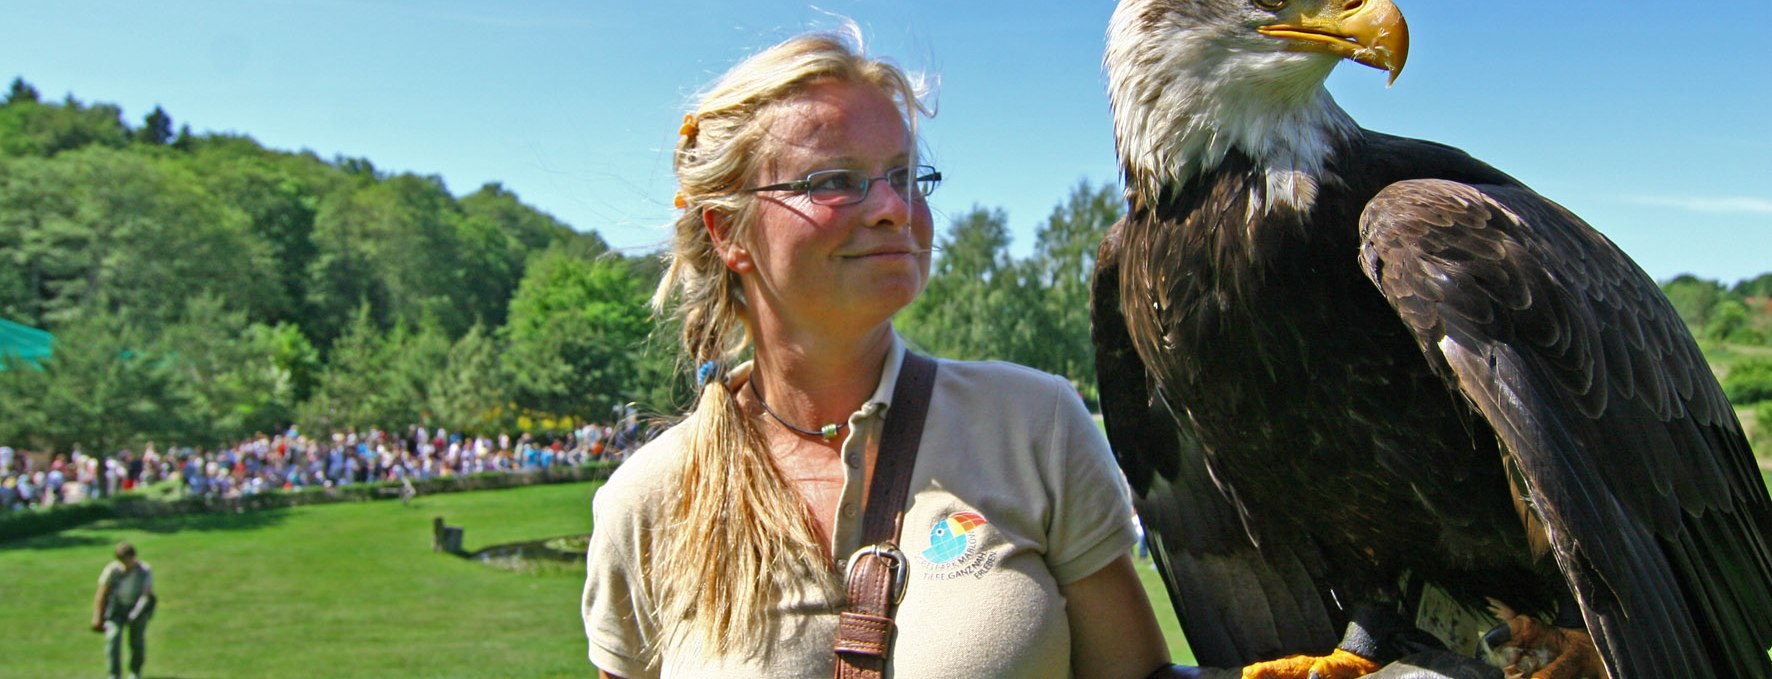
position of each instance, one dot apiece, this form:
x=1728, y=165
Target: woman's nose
x=887, y=206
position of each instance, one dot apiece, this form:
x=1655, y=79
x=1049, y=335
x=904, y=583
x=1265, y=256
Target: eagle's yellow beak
x=1371, y=32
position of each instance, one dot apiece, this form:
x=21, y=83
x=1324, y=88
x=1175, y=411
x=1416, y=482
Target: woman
x=718, y=546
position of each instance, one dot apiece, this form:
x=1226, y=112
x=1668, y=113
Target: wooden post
x=445, y=538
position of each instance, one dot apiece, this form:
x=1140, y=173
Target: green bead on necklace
x=827, y=432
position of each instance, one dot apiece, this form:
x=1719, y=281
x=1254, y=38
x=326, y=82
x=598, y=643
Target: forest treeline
x=202, y=288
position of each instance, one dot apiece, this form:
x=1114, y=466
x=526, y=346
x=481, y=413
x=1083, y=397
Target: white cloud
x=1709, y=204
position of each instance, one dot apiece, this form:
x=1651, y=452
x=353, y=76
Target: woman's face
x=844, y=266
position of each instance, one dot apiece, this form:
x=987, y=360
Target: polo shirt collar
x=882, y=397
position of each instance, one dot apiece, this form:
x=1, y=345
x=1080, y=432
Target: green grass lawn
x=344, y=590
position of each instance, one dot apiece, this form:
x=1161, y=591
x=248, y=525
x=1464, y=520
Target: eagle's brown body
x=1392, y=365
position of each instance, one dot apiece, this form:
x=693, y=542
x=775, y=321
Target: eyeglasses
x=847, y=187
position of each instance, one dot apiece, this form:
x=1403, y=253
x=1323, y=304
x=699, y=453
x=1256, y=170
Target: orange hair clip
x=688, y=130
x=690, y=127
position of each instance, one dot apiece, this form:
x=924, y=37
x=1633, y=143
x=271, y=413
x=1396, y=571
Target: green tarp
x=24, y=342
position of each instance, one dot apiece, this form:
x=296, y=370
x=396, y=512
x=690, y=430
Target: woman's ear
x=733, y=253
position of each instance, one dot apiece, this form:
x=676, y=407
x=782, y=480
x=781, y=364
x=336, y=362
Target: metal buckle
x=890, y=552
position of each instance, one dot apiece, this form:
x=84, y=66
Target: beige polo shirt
x=1013, y=493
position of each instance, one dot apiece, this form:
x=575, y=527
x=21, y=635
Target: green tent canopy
x=25, y=342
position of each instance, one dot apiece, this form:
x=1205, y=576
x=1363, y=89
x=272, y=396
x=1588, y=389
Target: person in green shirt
x=125, y=601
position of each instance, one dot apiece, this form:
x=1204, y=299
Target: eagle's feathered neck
x=1183, y=100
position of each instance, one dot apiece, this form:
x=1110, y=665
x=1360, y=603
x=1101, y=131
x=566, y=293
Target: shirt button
x=853, y=459
x=849, y=511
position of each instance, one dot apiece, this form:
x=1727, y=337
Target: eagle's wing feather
x=1236, y=604
x=1626, y=459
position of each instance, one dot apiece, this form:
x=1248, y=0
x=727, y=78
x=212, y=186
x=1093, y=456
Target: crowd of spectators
x=293, y=461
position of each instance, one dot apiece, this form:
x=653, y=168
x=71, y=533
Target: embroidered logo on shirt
x=954, y=545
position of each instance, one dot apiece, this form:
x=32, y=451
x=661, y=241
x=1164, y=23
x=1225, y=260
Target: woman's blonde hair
x=739, y=537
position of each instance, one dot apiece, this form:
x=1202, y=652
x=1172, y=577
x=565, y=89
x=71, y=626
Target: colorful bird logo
x=950, y=538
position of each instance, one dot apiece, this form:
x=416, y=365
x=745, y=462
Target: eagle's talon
x=1497, y=637
x=1524, y=646
x=1501, y=611
x=1337, y=665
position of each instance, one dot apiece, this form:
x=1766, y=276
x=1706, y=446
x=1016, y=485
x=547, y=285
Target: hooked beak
x=1370, y=32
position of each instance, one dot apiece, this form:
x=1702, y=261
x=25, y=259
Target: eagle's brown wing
x=1626, y=459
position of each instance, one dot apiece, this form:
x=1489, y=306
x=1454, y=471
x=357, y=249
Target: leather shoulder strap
x=898, y=449
x=875, y=578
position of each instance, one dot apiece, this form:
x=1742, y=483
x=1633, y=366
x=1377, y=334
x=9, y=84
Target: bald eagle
x=1358, y=378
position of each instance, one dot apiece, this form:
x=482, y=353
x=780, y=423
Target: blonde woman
x=718, y=547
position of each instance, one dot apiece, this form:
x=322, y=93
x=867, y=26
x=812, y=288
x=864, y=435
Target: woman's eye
x=832, y=181
x=898, y=178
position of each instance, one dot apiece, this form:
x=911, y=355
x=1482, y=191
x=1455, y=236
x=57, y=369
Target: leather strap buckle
x=894, y=557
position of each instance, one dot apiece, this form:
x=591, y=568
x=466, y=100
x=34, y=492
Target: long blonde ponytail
x=740, y=539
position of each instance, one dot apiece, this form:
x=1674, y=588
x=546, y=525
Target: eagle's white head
x=1192, y=80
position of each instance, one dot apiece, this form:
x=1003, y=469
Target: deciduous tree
x=576, y=335
x=1064, y=259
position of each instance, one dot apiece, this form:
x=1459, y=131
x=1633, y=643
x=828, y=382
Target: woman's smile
x=901, y=252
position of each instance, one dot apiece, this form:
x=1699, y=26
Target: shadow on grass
x=216, y=521
x=55, y=541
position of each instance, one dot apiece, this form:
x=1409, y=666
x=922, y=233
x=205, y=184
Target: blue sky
x=1649, y=120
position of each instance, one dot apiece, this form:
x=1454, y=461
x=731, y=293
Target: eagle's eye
x=1271, y=5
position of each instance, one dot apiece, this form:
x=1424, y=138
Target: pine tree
x=156, y=128
x=21, y=91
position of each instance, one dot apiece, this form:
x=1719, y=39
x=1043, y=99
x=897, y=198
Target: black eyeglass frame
x=927, y=179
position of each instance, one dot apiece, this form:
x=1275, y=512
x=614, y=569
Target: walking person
x=721, y=547
x=124, y=604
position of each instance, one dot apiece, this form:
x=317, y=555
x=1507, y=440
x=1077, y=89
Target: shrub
x=1749, y=382
x=28, y=522
x=1762, y=434
x=31, y=522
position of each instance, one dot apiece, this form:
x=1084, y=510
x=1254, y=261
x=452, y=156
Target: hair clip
x=690, y=128
x=705, y=372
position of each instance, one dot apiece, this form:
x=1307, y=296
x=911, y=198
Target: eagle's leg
x=1375, y=635
x=1340, y=664
x=1544, y=651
